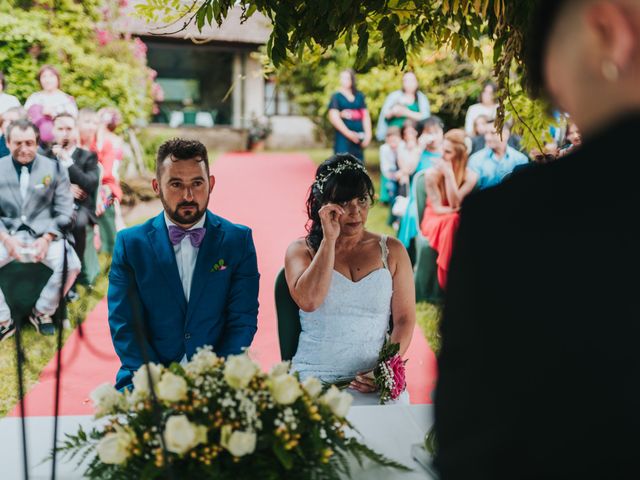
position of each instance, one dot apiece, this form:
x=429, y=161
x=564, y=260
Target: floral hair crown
x=336, y=170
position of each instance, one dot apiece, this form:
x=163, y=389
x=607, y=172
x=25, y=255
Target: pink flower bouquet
x=389, y=375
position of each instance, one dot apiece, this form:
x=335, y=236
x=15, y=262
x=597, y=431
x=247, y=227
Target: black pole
x=61, y=309
x=20, y=363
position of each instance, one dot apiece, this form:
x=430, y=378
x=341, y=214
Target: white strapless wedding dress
x=345, y=334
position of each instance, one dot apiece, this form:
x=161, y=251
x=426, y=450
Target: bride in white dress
x=353, y=287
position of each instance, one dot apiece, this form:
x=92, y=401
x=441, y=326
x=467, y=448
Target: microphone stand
x=20, y=363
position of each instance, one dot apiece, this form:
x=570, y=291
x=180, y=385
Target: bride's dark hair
x=340, y=178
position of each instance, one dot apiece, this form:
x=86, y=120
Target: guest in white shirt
x=487, y=107
x=6, y=101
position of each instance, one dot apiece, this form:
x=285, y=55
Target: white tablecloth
x=390, y=430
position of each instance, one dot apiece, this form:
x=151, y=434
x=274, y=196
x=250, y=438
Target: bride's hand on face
x=330, y=219
x=364, y=383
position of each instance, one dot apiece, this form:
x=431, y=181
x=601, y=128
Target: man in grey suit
x=36, y=206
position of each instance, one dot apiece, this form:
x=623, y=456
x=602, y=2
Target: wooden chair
x=288, y=318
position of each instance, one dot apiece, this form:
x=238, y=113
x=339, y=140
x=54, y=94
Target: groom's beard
x=183, y=219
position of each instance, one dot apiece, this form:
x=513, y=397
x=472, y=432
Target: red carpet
x=266, y=192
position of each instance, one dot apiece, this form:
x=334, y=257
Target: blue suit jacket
x=144, y=285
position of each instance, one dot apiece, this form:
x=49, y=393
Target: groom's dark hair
x=178, y=149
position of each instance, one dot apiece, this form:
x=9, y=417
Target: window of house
x=276, y=100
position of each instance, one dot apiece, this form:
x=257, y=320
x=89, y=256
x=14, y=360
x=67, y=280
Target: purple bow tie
x=196, y=235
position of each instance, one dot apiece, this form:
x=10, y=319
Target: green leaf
x=283, y=455
x=209, y=14
x=363, y=47
x=200, y=16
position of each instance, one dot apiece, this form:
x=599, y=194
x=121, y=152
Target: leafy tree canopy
x=396, y=27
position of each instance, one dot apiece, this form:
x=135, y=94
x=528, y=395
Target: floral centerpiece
x=219, y=419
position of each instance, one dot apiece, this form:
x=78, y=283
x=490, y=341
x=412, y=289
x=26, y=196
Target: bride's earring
x=610, y=71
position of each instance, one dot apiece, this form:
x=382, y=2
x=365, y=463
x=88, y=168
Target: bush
x=66, y=36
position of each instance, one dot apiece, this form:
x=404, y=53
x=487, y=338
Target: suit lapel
x=11, y=178
x=208, y=254
x=166, y=258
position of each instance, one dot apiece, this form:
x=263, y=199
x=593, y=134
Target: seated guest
x=6, y=101
x=6, y=118
x=110, y=190
x=430, y=141
x=478, y=142
x=109, y=146
x=573, y=139
x=496, y=160
x=409, y=152
x=480, y=127
x=348, y=282
x=43, y=106
x=184, y=279
x=486, y=106
x=84, y=175
x=389, y=163
x=447, y=183
x=36, y=206
x=110, y=118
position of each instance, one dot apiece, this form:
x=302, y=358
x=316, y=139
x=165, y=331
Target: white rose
x=313, y=386
x=172, y=388
x=339, y=402
x=113, y=448
x=238, y=443
x=106, y=399
x=239, y=370
x=285, y=389
x=141, y=377
x=180, y=435
x=202, y=361
x=280, y=369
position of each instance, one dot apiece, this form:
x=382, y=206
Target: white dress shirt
x=66, y=158
x=186, y=256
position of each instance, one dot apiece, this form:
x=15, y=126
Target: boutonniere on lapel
x=46, y=181
x=219, y=265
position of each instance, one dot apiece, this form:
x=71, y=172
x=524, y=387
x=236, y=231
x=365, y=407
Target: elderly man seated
x=497, y=160
x=36, y=206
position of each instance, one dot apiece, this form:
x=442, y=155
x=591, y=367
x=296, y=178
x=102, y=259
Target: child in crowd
x=409, y=153
x=389, y=162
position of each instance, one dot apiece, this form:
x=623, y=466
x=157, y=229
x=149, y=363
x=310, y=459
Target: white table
x=390, y=430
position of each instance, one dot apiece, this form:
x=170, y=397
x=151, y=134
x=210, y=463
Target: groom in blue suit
x=185, y=278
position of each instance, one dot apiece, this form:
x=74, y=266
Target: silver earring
x=610, y=71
